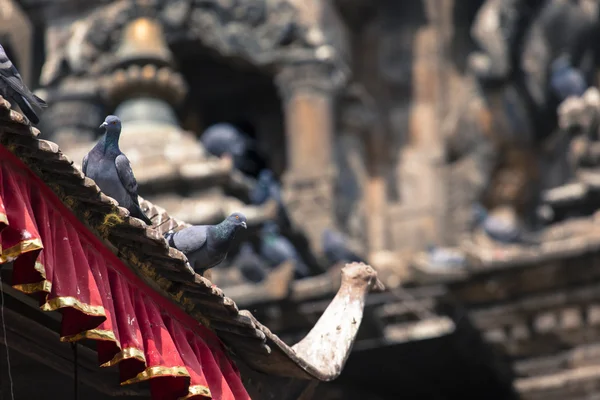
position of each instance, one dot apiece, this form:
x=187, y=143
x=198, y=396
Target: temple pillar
x=309, y=94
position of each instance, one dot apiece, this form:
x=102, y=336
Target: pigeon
x=565, y=79
x=277, y=249
x=206, y=246
x=266, y=188
x=220, y=139
x=111, y=170
x=442, y=257
x=500, y=229
x=251, y=266
x=336, y=248
x=12, y=87
x=224, y=138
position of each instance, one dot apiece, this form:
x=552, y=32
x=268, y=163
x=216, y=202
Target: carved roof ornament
x=262, y=32
x=142, y=65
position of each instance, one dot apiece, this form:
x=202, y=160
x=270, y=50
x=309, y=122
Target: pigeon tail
x=138, y=213
x=29, y=109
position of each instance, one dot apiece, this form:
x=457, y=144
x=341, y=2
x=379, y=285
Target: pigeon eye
x=237, y=217
x=114, y=122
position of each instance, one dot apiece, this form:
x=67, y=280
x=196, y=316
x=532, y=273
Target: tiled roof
x=144, y=249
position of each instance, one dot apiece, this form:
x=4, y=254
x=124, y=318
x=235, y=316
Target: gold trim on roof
x=95, y=334
x=157, y=371
x=68, y=301
x=125, y=354
x=24, y=246
x=29, y=288
x=197, y=390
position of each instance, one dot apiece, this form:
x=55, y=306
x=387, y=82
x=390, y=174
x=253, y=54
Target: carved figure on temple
x=110, y=169
x=12, y=87
x=206, y=246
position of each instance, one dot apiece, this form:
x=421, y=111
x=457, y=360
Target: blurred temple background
x=451, y=144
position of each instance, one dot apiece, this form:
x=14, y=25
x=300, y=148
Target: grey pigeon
x=206, y=246
x=111, y=170
x=266, y=188
x=336, y=248
x=13, y=88
x=224, y=138
x=501, y=230
x=251, y=266
x=441, y=257
x=277, y=249
x=565, y=79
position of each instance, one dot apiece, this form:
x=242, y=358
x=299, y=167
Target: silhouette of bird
x=336, y=249
x=13, y=88
x=251, y=266
x=111, y=170
x=565, y=79
x=277, y=249
x=500, y=229
x=442, y=257
x=224, y=138
x=206, y=246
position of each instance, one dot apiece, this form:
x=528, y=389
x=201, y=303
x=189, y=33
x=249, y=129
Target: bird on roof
x=206, y=246
x=13, y=88
x=251, y=265
x=336, y=249
x=111, y=170
x=226, y=139
x=444, y=257
x=565, y=79
x=266, y=188
x=223, y=138
x=277, y=249
x=500, y=229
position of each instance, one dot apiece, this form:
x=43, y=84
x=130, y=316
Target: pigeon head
x=112, y=124
x=238, y=220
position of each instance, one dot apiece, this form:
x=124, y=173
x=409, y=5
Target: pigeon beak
x=104, y=125
x=244, y=225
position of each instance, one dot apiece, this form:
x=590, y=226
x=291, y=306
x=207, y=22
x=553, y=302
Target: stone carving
x=262, y=32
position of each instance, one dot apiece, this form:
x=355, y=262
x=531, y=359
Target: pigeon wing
x=84, y=164
x=126, y=176
x=191, y=239
x=11, y=76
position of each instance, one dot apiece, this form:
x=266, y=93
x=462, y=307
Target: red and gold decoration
x=100, y=298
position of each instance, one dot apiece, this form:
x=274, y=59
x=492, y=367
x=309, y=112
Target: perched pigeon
x=276, y=249
x=206, y=246
x=500, y=229
x=565, y=79
x=252, y=267
x=443, y=257
x=336, y=249
x=266, y=188
x=12, y=87
x=111, y=171
x=224, y=138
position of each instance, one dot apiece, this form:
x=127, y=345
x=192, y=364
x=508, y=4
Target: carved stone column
x=309, y=93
